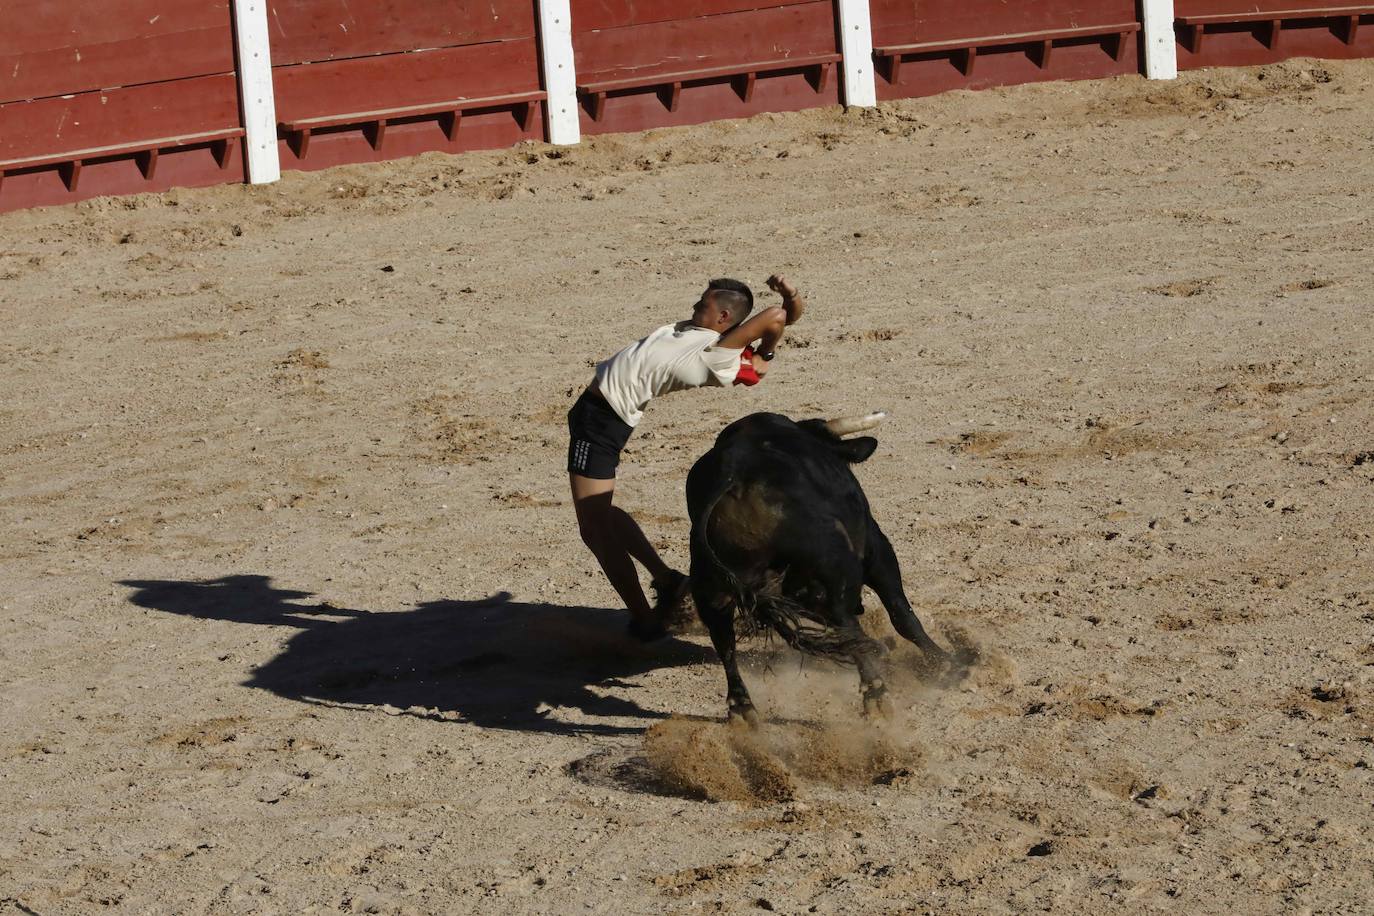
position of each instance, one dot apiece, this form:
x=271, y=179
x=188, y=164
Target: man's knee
x=593, y=535
x=596, y=529
x=596, y=521
x=621, y=519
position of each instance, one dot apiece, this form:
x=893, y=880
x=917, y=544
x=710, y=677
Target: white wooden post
x=1161, y=51
x=856, y=44
x=560, y=72
x=255, y=90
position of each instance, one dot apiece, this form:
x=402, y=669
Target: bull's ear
x=856, y=449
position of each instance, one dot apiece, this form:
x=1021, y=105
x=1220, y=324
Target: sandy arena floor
x=295, y=619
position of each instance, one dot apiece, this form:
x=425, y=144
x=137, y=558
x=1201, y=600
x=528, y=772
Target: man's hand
x=778, y=284
x=792, y=301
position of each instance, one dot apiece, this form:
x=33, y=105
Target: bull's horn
x=845, y=426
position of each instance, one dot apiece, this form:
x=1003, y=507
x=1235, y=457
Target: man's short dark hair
x=734, y=295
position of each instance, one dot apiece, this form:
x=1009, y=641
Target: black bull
x=782, y=537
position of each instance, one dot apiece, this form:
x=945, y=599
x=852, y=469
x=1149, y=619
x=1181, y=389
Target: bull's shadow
x=495, y=662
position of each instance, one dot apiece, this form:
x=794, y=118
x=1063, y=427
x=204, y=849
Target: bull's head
x=834, y=431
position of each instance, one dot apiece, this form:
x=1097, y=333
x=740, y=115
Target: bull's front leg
x=883, y=574
x=718, y=614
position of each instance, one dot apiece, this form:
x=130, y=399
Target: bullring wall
x=124, y=96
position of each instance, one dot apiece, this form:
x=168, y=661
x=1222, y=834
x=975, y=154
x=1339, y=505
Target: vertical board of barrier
x=66, y=136
x=560, y=71
x=856, y=44
x=364, y=82
x=648, y=63
x=936, y=45
x=1239, y=33
x=253, y=53
x=1161, y=51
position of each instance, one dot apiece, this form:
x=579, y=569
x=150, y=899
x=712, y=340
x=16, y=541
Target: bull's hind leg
x=870, y=657
x=842, y=581
x=717, y=612
x=883, y=574
x=872, y=683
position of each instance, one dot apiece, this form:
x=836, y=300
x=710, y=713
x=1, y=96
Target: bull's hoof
x=954, y=668
x=744, y=717
x=877, y=707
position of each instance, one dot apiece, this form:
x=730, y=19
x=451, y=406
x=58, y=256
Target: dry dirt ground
x=295, y=618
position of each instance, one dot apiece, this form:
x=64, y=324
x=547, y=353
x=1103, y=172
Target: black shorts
x=596, y=434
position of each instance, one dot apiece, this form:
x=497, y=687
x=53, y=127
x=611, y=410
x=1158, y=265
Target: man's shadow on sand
x=494, y=662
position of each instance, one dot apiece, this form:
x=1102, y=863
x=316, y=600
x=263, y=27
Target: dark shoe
x=647, y=630
x=669, y=595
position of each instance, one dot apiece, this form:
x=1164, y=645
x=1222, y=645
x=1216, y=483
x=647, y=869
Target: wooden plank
x=1241, y=10
x=117, y=117
x=1266, y=20
x=62, y=47
x=148, y=148
x=446, y=106
x=743, y=78
x=1243, y=43
x=254, y=54
x=398, y=80
x=910, y=21
x=709, y=102
x=696, y=44
x=1271, y=15
x=322, y=30
x=654, y=78
x=594, y=15
x=1011, y=38
x=181, y=167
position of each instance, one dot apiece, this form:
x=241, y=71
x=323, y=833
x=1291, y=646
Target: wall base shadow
x=494, y=662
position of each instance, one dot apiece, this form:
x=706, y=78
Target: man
x=708, y=349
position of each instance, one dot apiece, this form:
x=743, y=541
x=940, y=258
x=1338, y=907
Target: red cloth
x=748, y=375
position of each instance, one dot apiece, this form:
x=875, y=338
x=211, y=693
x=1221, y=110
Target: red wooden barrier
x=350, y=87
x=64, y=136
x=137, y=95
x=927, y=46
x=645, y=63
x=1237, y=33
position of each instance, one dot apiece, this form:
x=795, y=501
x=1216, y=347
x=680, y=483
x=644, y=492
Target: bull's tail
x=805, y=629
x=742, y=594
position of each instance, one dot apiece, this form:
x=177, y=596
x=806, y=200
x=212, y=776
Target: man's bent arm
x=767, y=324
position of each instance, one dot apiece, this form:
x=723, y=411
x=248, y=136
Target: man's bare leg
x=632, y=536
x=611, y=541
